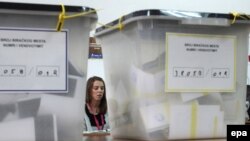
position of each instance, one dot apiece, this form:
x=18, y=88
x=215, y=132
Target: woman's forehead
x=98, y=83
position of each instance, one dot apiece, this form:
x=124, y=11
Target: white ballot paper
x=147, y=83
x=155, y=117
x=23, y=129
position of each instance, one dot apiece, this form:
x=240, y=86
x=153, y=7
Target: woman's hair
x=90, y=83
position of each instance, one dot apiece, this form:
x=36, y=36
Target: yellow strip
x=80, y=14
x=194, y=120
x=215, y=126
x=62, y=17
x=166, y=63
x=235, y=62
x=119, y=26
x=238, y=107
x=236, y=14
x=248, y=16
x=167, y=107
x=205, y=93
x=105, y=25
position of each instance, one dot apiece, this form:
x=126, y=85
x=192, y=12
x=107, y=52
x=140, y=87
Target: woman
x=96, y=117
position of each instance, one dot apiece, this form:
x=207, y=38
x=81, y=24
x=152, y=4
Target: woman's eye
x=96, y=88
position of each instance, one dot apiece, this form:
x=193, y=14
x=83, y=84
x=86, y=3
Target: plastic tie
x=120, y=26
x=61, y=19
x=236, y=14
x=62, y=16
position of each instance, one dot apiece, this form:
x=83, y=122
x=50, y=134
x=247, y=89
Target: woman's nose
x=100, y=89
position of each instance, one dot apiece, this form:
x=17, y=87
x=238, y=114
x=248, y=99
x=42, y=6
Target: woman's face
x=97, y=90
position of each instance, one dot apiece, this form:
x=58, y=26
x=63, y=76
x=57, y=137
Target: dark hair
x=90, y=83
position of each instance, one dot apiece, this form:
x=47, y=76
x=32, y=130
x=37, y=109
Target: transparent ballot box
x=175, y=75
x=43, y=70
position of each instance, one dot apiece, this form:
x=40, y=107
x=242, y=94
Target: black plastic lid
x=41, y=7
x=171, y=13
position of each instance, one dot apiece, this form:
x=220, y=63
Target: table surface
x=107, y=137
